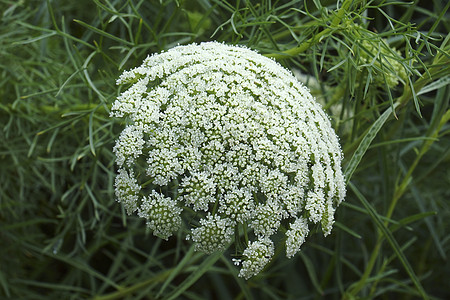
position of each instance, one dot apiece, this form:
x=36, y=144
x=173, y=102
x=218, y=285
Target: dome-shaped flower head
x=230, y=142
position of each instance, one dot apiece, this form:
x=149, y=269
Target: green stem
x=302, y=48
x=356, y=288
x=317, y=37
x=166, y=276
x=400, y=190
x=438, y=68
x=121, y=293
x=398, y=193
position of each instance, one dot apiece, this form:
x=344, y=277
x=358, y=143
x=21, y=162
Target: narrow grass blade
x=431, y=227
x=104, y=33
x=176, y=270
x=390, y=238
x=435, y=85
x=242, y=285
x=411, y=219
x=202, y=269
x=53, y=286
x=312, y=273
x=91, y=135
x=347, y=230
x=4, y=284
x=365, y=143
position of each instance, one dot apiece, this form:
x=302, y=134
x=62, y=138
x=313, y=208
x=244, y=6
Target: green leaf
x=365, y=143
x=410, y=219
x=348, y=230
x=4, y=284
x=104, y=33
x=390, y=238
x=176, y=270
x=241, y=282
x=202, y=269
x=91, y=135
x=435, y=85
x=311, y=273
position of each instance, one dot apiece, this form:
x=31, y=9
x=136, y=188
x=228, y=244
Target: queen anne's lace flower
x=231, y=139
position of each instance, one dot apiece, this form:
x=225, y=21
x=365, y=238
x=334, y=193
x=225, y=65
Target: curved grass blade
x=202, y=269
x=390, y=238
x=365, y=143
x=104, y=33
x=311, y=272
x=176, y=270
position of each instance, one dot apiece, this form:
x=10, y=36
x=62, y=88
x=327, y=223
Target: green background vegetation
x=63, y=236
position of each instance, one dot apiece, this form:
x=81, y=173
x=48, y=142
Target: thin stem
x=121, y=293
x=165, y=275
x=317, y=37
x=402, y=187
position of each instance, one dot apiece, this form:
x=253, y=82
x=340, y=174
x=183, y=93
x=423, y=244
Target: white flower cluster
x=214, y=234
x=233, y=141
x=162, y=214
x=296, y=236
x=257, y=255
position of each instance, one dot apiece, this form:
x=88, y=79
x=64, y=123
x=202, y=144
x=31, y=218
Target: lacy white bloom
x=162, y=214
x=296, y=236
x=127, y=190
x=214, y=234
x=256, y=255
x=230, y=141
x=267, y=218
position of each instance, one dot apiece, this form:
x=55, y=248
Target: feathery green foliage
x=380, y=68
